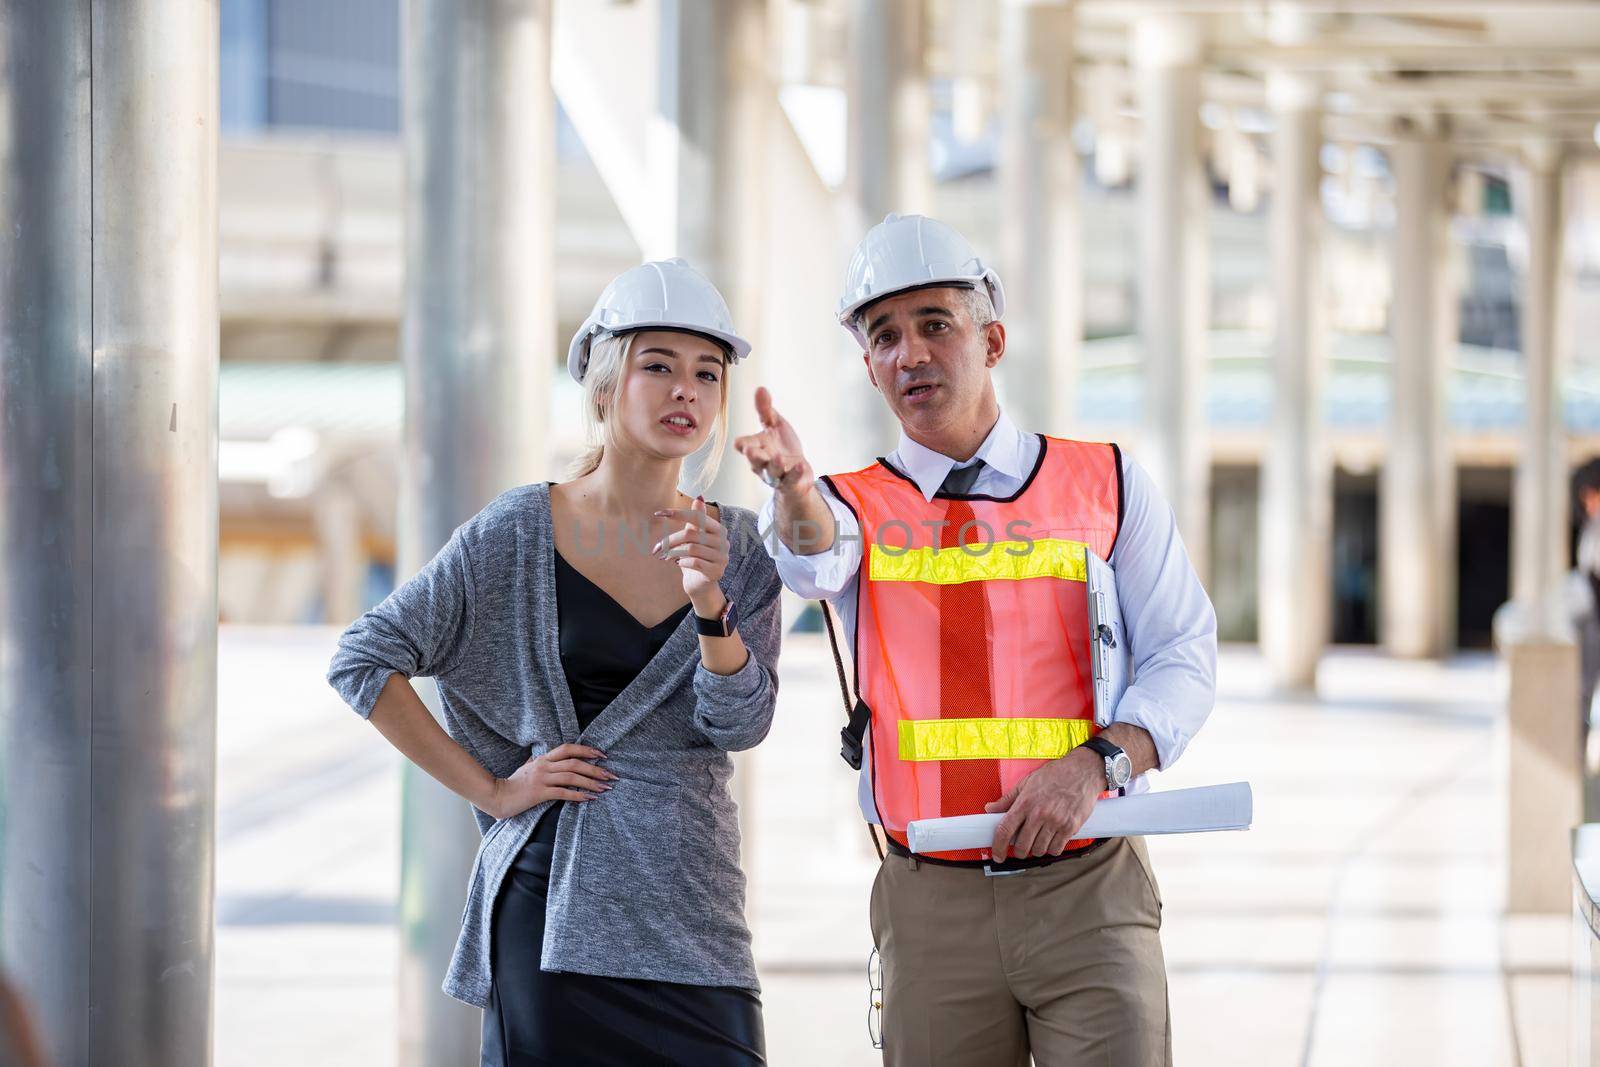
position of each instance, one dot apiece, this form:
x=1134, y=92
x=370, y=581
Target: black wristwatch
x=1119, y=768
x=721, y=626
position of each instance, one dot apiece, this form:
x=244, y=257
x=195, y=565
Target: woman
x=625, y=635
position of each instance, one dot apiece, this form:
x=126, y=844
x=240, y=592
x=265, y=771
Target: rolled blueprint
x=1177, y=811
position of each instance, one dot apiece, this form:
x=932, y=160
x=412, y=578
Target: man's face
x=930, y=361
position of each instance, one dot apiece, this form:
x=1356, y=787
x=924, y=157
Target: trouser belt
x=1022, y=863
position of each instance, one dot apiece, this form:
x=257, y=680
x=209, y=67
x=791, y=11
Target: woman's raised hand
x=566, y=772
x=700, y=549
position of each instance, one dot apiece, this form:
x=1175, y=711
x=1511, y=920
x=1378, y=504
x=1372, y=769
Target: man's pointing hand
x=775, y=452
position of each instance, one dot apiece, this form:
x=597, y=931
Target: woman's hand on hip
x=566, y=772
x=700, y=549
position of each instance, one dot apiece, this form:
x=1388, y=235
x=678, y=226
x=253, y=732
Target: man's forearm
x=805, y=526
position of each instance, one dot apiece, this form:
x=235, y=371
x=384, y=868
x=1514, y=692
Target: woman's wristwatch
x=721, y=626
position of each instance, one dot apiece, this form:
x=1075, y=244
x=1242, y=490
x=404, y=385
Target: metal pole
x=887, y=167
x=478, y=342
x=717, y=94
x=1296, y=476
x=887, y=163
x=1040, y=239
x=1174, y=302
x=1417, y=486
x=108, y=527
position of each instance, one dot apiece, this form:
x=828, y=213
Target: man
x=957, y=565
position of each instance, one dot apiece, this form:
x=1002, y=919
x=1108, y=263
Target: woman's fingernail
x=655, y=549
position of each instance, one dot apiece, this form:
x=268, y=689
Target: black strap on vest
x=856, y=713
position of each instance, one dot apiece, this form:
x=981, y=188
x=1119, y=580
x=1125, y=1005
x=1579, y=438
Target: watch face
x=1121, y=769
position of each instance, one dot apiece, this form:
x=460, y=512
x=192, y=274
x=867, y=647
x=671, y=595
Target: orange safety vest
x=972, y=645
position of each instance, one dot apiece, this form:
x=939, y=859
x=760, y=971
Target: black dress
x=536, y=1017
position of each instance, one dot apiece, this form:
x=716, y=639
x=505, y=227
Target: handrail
x=1586, y=875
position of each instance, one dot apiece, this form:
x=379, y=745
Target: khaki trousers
x=1061, y=961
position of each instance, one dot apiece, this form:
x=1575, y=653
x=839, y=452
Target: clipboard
x=1110, y=658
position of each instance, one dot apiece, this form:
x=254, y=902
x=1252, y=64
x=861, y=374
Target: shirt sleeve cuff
x=782, y=553
x=818, y=575
x=1138, y=708
x=742, y=685
x=362, y=692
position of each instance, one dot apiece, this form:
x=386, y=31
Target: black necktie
x=960, y=480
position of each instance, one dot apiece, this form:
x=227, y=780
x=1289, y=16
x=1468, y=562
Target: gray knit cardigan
x=645, y=880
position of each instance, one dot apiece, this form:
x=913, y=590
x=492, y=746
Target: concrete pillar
x=887, y=156
x=336, y=515
x=477, y=339
x=1417, y=496
x=1543, y=784
x=887, y=167
x=717, y=92
x=1040, y=242
x=1539, y=522
x=1174, y=288
x=108, y=524
x=1296, y=513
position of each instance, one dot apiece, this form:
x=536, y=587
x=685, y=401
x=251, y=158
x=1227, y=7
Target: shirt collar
x=1002, y=450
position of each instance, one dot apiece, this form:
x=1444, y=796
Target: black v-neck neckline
x=668, y=669
x=673, y=619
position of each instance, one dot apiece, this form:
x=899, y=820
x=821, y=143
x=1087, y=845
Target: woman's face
x=670, y=392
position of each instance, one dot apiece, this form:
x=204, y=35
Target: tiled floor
x=1358, y=922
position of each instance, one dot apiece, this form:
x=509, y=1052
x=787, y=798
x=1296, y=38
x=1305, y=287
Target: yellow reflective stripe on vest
x=950, y=739
x=1046, y=557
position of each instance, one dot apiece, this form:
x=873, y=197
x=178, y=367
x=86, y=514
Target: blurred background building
x=311, y=222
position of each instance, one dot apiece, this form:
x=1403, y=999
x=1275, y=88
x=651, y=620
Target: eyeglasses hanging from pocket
x=875, y=999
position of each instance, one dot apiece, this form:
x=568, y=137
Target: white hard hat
x=912, y=252
x=665, y=294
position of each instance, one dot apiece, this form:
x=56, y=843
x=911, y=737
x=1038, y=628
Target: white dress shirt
x=1171, y=626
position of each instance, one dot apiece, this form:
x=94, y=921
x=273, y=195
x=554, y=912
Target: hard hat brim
x=997, y=297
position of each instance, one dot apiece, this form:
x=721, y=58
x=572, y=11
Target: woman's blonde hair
x=608, y=357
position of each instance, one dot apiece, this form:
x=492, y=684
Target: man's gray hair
x=975, y=299
x=979, y=307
